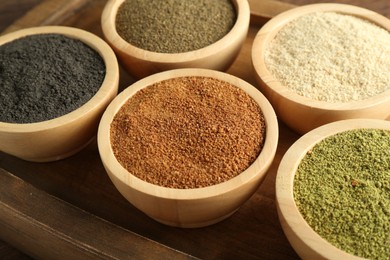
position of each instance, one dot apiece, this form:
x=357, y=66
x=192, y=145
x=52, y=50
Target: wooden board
x=70, y=208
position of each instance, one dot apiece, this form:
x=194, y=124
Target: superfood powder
x=174, y=26
x=188, y=132
x=331, y=57
x=342, y=189
x=46, y=76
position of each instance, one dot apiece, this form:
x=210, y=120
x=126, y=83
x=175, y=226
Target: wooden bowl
x=140, y=63
x=300, y=113
x=65, y=135
x=188, y=207
x=306, y=242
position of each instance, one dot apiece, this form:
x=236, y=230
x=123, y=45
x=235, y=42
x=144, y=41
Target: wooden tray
x=70, y=209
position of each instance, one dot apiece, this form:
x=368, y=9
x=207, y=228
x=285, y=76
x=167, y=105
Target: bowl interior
x=110, y=31
x=306, y=242
x=65, y=135
x=107, y=90
x=258, y=167
x=268, y=32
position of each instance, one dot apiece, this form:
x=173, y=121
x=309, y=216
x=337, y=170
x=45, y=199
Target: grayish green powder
x=174, y=26
x=342, y=189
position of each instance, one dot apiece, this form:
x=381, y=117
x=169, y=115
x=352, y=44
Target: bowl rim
x=289, y=214
x=272, y=27
x=106, y=88
x=259, y=166
x=111, y=34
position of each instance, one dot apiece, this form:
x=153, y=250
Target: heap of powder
x=342, y=189
x=188, y=132
x=331, y=57
x=46, y=76
x=174, y=26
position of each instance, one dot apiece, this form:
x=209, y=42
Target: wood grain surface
x=71, y=206
x=11, y=10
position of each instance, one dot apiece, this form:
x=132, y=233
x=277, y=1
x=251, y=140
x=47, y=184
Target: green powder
x=174, y=26
x=342, y=189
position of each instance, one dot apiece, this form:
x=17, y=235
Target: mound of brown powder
x=188, y=132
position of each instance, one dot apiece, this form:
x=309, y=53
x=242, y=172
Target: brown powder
x=188, y=132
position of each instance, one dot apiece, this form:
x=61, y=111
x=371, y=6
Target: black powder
x=46, y=76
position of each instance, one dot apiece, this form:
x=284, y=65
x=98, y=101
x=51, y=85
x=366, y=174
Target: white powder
x=331, y=57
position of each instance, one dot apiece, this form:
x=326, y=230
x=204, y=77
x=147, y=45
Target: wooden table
x=70, y=209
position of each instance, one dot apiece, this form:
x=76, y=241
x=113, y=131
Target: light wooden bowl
x=303, y=114
x=188, y=207
x=65, y=135
x=140, y=63
x=306, y=242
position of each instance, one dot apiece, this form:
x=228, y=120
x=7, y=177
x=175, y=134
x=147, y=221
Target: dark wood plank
x=262, y=11
x=9, y=252
x=10, y=10
x=48, y=12
x=49, y=228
